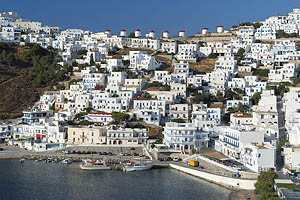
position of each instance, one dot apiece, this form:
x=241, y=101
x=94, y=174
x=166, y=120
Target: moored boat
x=95, y=165
x=138, y=165
x=67, y=161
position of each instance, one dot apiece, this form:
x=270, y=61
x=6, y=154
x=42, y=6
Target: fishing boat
x=22, y=160
x=138, y=165
x=67, y=161
x=94, y=165
x=38, y=160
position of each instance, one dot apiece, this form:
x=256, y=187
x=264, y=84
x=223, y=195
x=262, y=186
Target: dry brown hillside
x=15, y=92
x=204, y=65
x=125, y=51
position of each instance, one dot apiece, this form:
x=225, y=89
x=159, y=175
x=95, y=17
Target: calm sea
x=45, y=181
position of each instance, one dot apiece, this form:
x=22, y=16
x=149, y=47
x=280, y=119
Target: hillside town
x=145, y=90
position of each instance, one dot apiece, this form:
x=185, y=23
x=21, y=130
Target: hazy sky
x=159, y=15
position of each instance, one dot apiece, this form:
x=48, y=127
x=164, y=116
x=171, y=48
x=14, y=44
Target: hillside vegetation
x=26, y=72
x=205, y=65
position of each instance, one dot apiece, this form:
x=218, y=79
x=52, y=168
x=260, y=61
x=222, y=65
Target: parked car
x=176, y=159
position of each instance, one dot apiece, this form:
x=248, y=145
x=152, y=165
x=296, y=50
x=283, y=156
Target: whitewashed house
x=184, y=137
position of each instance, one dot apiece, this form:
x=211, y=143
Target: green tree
x=3, y=46
x=78, y=116
x=265, y=185
x=85, y=123
x=261, y=72
x=255, y=98
x=240, y=55
x=119, y=117
x=178, y=120
x=11, y=59
x=212, y=55
x=81, y=52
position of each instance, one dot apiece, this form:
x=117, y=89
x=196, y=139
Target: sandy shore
x=11, y=152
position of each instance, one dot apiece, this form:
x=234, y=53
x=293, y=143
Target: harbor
x=115, y=161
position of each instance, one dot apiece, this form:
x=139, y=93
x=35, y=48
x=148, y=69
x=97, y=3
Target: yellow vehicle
x=194, y=163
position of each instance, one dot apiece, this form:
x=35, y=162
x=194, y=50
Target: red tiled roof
x=137, y=30
x=142, y=99
x=205, y=28
x=242, y=116
x=181, y=31
x=107, y=30
x=123, y=30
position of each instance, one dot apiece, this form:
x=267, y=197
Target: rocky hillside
x=25, y=73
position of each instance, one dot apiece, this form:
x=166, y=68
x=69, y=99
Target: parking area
x=224, y=160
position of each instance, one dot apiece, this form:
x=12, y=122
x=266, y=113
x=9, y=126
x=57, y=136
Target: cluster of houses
x=108, y=86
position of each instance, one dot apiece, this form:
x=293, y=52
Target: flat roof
x=287, y=181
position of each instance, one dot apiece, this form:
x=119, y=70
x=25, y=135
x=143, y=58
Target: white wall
x=245, y=184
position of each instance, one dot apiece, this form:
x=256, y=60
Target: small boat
x=22, y=160
x=55, y=160
x=138, y=165
x=67, y=161
x=38, y=160
x=95, y=165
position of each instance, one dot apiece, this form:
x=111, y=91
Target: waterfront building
x=184, y=137
x=259, y=157
x=127, y=136
x=86, y=135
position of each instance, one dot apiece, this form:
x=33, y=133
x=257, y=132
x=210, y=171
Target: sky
x=157, y=15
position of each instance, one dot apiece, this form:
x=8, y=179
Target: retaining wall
x=228, y=182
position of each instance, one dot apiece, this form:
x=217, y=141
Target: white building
x=169, y=47
x=127, y=137
x=142, y=60
x=187, y=52
x=226, y=64
x=184, y=137
x=182, y=67
x=283, y=73
x=259, y=157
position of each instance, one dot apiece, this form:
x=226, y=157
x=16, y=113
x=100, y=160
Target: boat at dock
x=94, y=165
x=67, y=161
x=22, y=160
x=138, y=165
